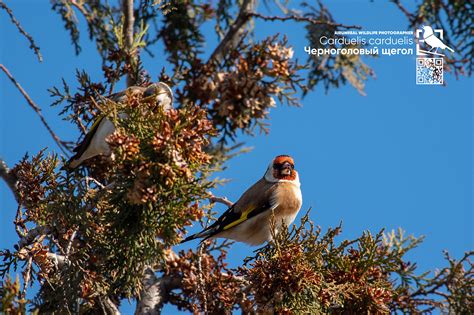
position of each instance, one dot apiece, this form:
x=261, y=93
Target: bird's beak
x=286, y=169
x=163, y=94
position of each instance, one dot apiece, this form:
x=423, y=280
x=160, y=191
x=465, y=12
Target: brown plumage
x=248, y=220
x=94, y=142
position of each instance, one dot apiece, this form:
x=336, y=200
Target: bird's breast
x=289, y=199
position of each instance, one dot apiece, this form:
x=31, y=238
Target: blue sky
x=399, y=157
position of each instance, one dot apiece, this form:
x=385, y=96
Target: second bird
x=94, y=143
x=249, y=219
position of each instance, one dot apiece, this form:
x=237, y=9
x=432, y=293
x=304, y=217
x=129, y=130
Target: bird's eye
x=281, y=165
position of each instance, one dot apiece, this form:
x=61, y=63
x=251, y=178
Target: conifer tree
x=106, y=232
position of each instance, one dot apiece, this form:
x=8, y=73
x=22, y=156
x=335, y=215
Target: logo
x=430, y=45
x=432, y=40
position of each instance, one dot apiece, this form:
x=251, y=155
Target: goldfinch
x=94, y=142
x=248, y=220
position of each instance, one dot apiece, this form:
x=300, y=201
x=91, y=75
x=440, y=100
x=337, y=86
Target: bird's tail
x=72, y=163
x=67, y=165
x=205, y=234
x=189, y=238
x=450, y=49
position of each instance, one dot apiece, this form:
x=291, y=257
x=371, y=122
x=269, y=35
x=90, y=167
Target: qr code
x=429, y=70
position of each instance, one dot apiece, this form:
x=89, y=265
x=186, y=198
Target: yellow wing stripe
x=96, y=123
x=242, y=218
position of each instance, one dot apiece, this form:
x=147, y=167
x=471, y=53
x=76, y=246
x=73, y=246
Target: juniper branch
x=298, y=18
x=235, y=33
x=32, y=234
x=81, y=8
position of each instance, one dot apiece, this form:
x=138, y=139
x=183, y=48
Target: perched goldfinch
x=94, y=142
x=248, y=220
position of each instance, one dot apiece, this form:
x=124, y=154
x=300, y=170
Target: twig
x=9, y=178
x=27, y=276
x=36, y=108
x=32, y=234
x=236, y=31
x=129, y=21
x=30, y=39
x=299, y=18
x=247, y=11
x=19, y=222
x=155, y=292
x=81, y=8
x=110, y=307
x=68, y=248
x=223, y=245
x=109, y=186
x=444, y=276
x=201, y=282
x=88, y=178
x=222, y=200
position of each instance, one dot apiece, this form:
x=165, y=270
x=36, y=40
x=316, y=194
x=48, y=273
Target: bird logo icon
x=430, y=38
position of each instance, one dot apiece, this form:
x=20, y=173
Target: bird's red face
x=284, y=168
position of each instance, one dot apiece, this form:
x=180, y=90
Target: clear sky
x=399, y=157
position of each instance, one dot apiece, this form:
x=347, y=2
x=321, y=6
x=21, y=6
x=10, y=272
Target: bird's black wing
x=229, y=219
x=82, y=147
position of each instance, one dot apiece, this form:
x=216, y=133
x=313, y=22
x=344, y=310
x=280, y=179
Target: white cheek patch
x=164, y=100
x=269, y=175
x=160, y=98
